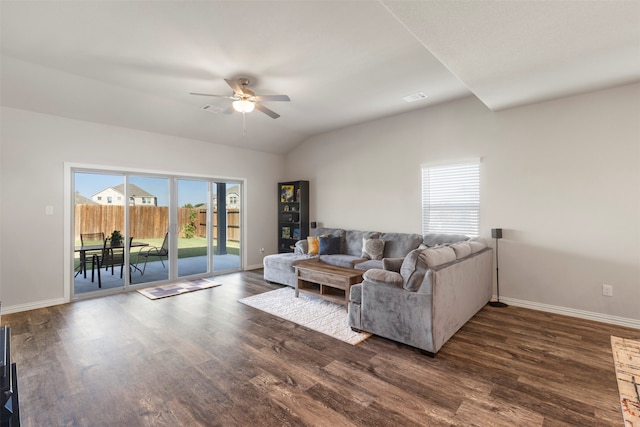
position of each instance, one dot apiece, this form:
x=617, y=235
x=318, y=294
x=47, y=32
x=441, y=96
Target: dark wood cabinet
x=293, y=214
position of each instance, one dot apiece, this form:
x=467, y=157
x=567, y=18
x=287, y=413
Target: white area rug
x=626, y=357
x=309, y=311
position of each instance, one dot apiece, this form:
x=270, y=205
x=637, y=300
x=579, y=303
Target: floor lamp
x=496, y=233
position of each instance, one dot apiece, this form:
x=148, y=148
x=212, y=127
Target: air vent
x=415, y=97
x=212, y=108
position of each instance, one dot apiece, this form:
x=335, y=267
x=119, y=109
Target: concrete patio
x=154, y=272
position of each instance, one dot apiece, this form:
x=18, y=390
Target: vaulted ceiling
x=133, y=63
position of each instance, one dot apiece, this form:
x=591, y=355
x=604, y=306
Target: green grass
x=187, y=248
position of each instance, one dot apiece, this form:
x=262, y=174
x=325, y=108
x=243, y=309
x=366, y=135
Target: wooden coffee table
x=326, y=281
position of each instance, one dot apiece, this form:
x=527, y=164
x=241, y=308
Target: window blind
x=451, y=198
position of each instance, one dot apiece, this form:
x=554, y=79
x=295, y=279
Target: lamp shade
x=243, y=106
x=496, y=233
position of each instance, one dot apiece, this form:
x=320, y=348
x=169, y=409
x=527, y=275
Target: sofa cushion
x=462, y=249
x=372, y=248
x=382, y=276
x=353, y=241
x=398, y=245
x=369, y=264
x=435, y=239
x=313, y=242
x=438, y=256
x=342, y=260
x=477, y=245
x=329, y=245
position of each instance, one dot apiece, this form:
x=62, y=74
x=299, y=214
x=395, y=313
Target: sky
x=189, y=191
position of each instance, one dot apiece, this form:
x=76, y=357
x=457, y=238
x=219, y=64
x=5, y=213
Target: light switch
x=48, y=210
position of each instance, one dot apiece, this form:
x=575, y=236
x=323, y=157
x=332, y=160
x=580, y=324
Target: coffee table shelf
x=327, y=281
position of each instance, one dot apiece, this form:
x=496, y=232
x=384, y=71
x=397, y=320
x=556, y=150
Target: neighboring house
x=232, y=198
x=81, y=200
x=115, y=196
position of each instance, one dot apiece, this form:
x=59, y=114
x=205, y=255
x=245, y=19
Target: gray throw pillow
x=372, y=248
x=329, y=245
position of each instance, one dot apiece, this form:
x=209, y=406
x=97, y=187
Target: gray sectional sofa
x=420, y=291
x=279, y=268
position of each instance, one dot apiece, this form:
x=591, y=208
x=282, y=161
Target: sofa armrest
x=392, y=264
x=301, y=247
x=377, y=276
x=392, y=312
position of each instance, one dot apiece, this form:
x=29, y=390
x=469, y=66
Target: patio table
x=83, y=250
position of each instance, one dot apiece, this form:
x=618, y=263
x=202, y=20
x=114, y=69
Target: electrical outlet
x=261, y=250
x=607, y=290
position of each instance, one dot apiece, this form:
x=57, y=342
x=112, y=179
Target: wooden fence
x=148, y=222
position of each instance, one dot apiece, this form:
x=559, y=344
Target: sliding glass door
x=149, y=227
x=193, y=250
x=172, y=227
x=226, y=225
x=98, y=213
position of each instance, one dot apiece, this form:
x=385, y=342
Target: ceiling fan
x=245, y=100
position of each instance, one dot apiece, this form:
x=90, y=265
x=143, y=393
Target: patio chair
x=90, y=239
x=111, y=257
x=155, y=252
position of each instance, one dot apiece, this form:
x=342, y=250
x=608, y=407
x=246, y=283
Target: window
x=451, y=198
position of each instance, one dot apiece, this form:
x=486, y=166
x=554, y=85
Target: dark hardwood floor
x=205, y=359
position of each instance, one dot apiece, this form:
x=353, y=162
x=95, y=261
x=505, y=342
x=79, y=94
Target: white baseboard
x=582, y=314
x=32, y=306
x=254, y=267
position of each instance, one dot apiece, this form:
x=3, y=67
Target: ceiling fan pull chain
x=244, y=123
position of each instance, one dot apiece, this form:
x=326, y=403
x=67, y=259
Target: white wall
x=33, y=150
x=562, y=178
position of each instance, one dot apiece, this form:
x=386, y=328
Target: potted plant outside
x=116, y=238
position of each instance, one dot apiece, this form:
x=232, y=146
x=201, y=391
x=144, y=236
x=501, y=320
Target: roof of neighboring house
x=134, y=190
x=81, y=200
x=229, y=190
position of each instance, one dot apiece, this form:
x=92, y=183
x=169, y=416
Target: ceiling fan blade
x=217, y=96
x=272, y=98
x=234, y=85
x=267, y=111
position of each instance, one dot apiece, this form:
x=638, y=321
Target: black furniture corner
x=10, y=411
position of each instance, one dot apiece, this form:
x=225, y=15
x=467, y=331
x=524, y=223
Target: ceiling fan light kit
x=243, y=106
x=245, y=100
